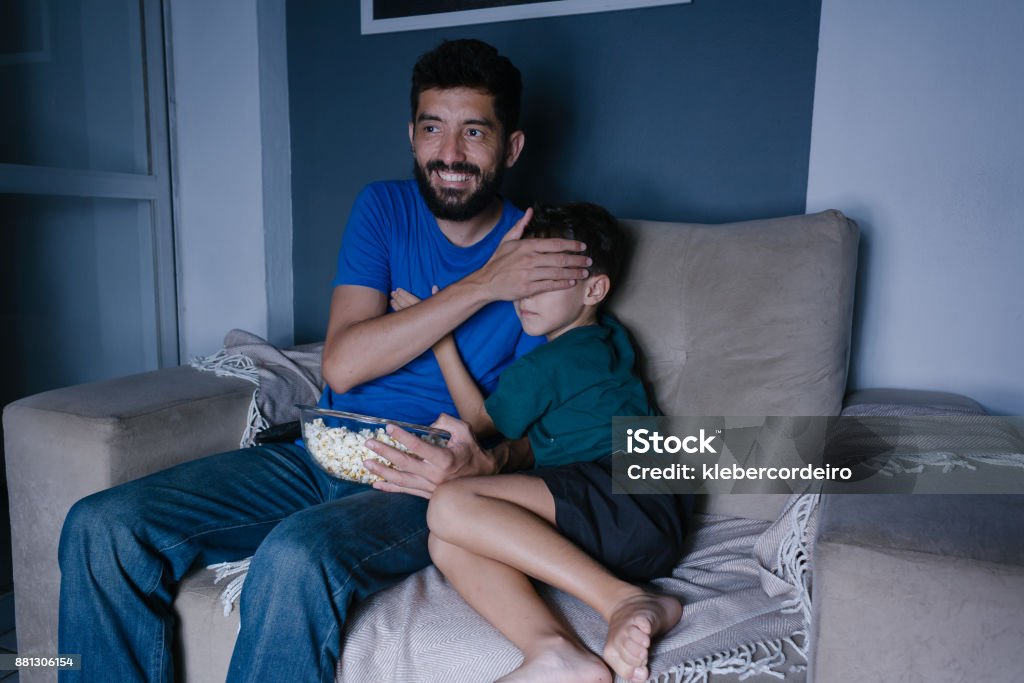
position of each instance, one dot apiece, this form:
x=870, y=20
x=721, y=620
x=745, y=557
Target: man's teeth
x=453, y=177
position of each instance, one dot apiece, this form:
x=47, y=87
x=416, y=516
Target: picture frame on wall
x=24, y=32
x=386, y=16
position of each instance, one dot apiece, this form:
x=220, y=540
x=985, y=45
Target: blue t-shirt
x=392, y=240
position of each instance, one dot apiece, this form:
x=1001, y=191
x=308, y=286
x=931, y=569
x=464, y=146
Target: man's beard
x=450, y=205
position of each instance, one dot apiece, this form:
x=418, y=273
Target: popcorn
x=341, y=451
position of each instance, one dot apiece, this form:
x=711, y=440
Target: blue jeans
x=319, y=544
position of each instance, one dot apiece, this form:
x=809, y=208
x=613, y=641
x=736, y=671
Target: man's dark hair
x=589, y=223
x=470, y=63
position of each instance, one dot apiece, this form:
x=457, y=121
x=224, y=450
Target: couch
x=750, y=318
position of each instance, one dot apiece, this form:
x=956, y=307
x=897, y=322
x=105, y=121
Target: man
x=321, y=543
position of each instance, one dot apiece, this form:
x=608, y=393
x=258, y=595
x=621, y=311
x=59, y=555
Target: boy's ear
x=597, y=288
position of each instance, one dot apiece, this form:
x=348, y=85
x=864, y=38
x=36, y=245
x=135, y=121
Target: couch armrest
x=918, y=588
x=64, y=444
x=908, y=402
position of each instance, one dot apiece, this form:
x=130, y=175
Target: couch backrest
x=750, y=318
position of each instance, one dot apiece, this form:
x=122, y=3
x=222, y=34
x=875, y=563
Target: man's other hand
x=426, y=466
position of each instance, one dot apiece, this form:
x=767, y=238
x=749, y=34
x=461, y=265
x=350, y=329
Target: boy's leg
x=507, y=599
x=510, y=519
x=122, y=551
x=505, y=596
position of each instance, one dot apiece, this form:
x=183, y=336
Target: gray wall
x=918, y=136
x=218, y=173
x=694, y=112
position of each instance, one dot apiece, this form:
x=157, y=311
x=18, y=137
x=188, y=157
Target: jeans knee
x=88, y=519
x=101, y=531
x=286, y=551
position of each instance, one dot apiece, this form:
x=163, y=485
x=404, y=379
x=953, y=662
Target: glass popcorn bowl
x=336, y=440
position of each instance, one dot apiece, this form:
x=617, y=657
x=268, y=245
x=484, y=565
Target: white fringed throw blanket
x=744, y=583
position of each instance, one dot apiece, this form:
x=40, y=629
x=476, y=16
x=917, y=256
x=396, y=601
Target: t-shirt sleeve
x=521, y=398
x=364, y=255
x=526, y=343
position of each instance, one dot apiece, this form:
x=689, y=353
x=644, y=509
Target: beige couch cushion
x=749, y=318
x=204, y=649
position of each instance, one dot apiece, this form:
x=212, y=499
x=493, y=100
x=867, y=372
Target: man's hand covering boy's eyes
x=523, y=267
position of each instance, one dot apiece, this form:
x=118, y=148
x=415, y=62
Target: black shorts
x=638, y=538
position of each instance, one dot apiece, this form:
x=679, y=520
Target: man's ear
x=598, y=287
x=412, y=131
x=514, y=147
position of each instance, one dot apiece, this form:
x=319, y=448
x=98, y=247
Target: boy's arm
x=514, y=455
x=461, y=385
x=465, y=393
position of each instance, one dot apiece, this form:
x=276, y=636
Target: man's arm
x=362, y=343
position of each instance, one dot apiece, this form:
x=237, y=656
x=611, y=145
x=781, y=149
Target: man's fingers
x=393, y=481
x=517, y=230
x=542, y=286
x=534, y=259
x=392, y=488
x=415, y=444
x=556, y=244
x=401, y=460
x=558, y=273
x=402, y=474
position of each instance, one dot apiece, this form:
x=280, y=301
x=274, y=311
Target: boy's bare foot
x=562, y=662
x=633, y=624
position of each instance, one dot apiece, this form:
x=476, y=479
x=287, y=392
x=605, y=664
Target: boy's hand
x=426, y=466
x=401, y=299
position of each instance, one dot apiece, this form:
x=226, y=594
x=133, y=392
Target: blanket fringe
x=239, y=569
x=226, y=364
x=254, y=422
x=765, y=656
x=914, y=463
x=793, y=558
x=752, y=659
x=238, y=365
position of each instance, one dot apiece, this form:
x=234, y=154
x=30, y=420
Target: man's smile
x=450, y=177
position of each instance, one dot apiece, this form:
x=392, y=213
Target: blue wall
x=697, y=112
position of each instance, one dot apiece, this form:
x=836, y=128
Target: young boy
x=560, y=523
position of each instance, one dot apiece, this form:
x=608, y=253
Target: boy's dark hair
x=471, y=63
x=589, y=223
